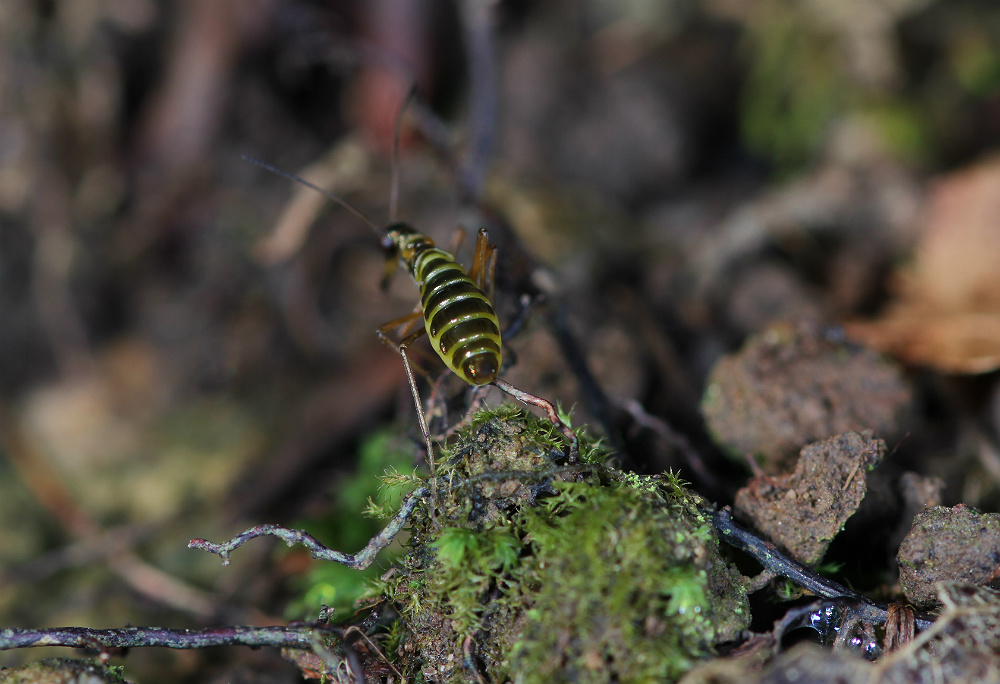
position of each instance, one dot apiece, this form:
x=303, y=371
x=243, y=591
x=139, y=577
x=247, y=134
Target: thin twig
x=679, y=441
x=48, y=487
x=358, y=561
x=359, y=635
x=774, y=561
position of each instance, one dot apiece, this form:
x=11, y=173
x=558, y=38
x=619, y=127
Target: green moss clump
x=533, y=571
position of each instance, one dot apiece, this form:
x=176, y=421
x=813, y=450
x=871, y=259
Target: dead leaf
x=946, y=313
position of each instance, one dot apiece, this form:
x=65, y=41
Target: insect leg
x=457, y=241
x=420, y=409
x=483, y=270
x=390, y=270
x=408, y=321
x=405, y=323
x=483, y=263
x=489, y=272
x=550, y=411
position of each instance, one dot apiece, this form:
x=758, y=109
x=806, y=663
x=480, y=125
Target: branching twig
x=363, y=558
x=357, y=561
x=299, y=635
x=777, y=563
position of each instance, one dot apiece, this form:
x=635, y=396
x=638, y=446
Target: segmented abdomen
x=460, y=320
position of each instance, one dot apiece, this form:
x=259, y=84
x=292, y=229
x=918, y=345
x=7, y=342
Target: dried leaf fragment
x=946, y=314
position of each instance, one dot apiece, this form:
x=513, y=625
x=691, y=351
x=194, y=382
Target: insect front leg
x=391, y=261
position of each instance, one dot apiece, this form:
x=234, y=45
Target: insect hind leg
x=483, y=263
x=483, y=271
x=420, y=409
x=457, y=240
x=550, y=412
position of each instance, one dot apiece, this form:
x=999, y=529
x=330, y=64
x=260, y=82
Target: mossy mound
x=62, y=671
x=533, y=571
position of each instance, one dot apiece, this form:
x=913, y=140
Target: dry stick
x=777, y=563
x=470, y=659
x=85, y=551
x=365, y=557
x=593, y=395
x=663, y=429
x=358, y=561
x=372, y=646
x=47, y=486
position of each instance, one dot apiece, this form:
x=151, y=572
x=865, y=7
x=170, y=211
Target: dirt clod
x=802, y=511
x=796, y=384
x=957, y=544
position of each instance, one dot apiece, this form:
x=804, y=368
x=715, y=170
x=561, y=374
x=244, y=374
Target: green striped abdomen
x=460, y=320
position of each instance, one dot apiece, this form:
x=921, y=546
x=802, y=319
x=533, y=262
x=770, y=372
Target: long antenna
x=394, y=183
x=326, y=193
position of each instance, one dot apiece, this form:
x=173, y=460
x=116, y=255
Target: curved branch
x=777, y=563
x=319, y=551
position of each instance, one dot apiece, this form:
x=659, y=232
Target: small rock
x=796, y=384
x=957, y=544
x=801, y=512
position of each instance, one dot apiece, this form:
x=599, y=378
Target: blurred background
x=187, y=342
